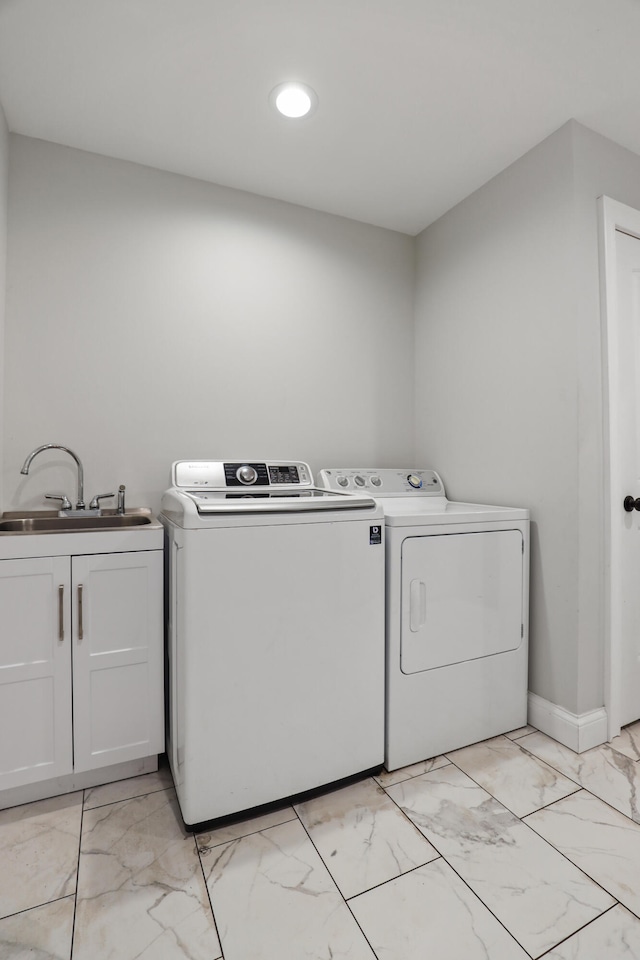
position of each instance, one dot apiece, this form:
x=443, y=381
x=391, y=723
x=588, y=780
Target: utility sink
x=48, y=521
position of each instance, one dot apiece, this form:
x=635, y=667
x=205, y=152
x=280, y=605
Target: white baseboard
x=578, y=732
x=76, y=781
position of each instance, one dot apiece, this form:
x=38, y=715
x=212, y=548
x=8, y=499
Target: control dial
x=343, y=481
x=359, y=481
x=414, y=481
x=246, y=474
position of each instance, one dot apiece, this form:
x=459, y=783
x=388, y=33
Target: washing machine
x=457, y=602
x=276, y=649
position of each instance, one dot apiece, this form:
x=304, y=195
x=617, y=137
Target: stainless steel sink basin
x=47, y=521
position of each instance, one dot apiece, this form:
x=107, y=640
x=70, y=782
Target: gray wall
x=152, y=317
x=4, y=193
x=496, y=399
x=508, y=380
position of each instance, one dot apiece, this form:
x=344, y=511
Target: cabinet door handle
x=61, y=612
x=80, y=627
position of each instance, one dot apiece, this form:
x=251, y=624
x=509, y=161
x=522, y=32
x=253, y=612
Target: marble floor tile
x=42, y=933
x=520, y=781
x=386, y=779
x=599, y=840
x=39, y=852
x=274, y=899
x=520, y=732
x=431, y=913
x=628, y=741
x=141, y=892
x=127, y=789
x=613, y=936
x=533, y=890
x=207, y=839
x=362, y=836
x=607, y=773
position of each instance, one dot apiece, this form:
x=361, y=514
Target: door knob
x=630, y=504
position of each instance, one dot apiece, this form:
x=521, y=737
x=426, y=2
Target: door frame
x=613, y=216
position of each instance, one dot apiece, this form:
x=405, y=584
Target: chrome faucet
x=80, y=505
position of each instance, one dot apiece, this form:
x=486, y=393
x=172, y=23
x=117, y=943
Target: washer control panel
x=383, y=482
x=222, y=474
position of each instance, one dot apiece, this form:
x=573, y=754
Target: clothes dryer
x=457, y=607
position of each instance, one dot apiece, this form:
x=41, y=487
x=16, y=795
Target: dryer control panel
x=383, y=481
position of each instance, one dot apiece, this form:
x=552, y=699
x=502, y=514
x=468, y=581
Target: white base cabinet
x=81, y=663
x=35, y=670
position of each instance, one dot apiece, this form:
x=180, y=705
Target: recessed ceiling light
x=293, y=99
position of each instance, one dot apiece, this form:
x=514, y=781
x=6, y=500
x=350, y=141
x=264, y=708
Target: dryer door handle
x=418, y=605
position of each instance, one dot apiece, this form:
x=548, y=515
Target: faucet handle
x=95, y=503
x=65, y=504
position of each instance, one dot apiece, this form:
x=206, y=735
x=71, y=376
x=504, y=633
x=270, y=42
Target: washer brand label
x=375, y=534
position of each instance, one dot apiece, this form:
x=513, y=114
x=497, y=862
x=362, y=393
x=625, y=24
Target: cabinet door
x=118, y=678
x=35, y=671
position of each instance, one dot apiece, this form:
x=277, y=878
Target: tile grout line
x=577, y=786
x=452, y=763
x=607, y=744
x=251, y=833
x=413, y=776
x=584, y=873
x=36, y=906
x=557, y=769
x=587, y=924
x=587, y=790
x=331, y=877
x=346, y=900
x=136, y=796
x=462, y=879
x=607, y=804
x=581, y=869
x=206, y=887
x=515, y=739
x=75, y=899
x=399, y=876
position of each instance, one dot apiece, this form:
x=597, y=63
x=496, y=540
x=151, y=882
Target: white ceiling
x=421, y=101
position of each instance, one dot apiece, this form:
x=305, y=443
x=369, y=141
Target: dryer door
x=461, y=597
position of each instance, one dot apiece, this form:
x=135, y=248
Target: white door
x=625, y=475
x=35, y=671
x=118, y=692
x=461, y=598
